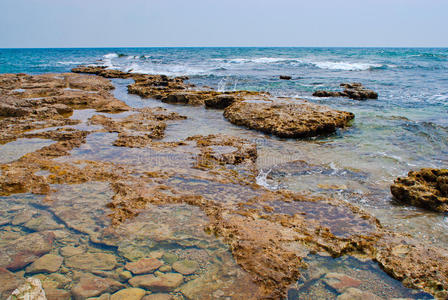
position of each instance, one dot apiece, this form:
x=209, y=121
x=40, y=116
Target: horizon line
x=149, y=47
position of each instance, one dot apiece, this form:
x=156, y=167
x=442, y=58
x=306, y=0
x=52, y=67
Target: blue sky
x=147, y=23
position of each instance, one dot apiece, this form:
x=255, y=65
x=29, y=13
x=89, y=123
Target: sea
x=405, y=129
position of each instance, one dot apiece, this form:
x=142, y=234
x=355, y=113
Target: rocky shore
x=354, y=90
x=427, y=188
x=109, y=210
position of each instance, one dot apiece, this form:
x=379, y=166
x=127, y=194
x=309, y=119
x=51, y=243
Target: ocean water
x=405, y=129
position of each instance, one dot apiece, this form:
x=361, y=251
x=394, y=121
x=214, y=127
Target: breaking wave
x=347, y=66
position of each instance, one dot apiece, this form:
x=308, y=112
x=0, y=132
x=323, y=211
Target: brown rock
x=57, y=294
x=129, y=294
x=8, y=282
x=355, y=294
x=287, y=119
x=426, y=188
x=220, y=101
x=158, y=297
x=353, y=90
x=91, y=261
x=341, y=282
x=92, y=286
x=164, y=283
x=48, y=263
x=144, y=266
x=185, y=267
x=25, y=250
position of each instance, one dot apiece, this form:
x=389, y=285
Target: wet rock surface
x=427, y=188
x=290, y=120
x=354, y=90
x=186, y=218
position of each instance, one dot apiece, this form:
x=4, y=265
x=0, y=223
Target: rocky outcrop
x=285, y=77
x=220, y=101
x=289, y=120
x=353, y=90
x=427, y=188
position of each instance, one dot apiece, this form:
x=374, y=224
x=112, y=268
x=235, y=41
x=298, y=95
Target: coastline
x=217, y=174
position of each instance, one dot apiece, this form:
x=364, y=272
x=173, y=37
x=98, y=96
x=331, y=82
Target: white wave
x=257, y=60
x=69, y=62
x=346, y=66
x=262, y=179
x=110, y=55
x=169, y=70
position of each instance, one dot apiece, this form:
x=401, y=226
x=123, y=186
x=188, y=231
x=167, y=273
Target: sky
x=209, y=23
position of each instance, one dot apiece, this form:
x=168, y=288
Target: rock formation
x=353, y=90
x=427, y=188
x=289, y=120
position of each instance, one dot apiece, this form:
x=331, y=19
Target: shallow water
x=406, y=128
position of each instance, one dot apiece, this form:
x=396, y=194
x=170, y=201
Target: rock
x=340, y=282
x=185, y=267
x=165, y=269
x=165, y=283
x=125, y=275
x=25, y=250
x=92, y=286
x=169, y=258
x=48, y=263
x=288, y=120
x=91, y=261
x=158, y=297
x=42, y=223
x=426, y=188
x=220, y=101
x=353, y=90
x=105, y=296
x=57, y=294
x=31, y=289
x=22, y=217
x=285, y=77
x=129, y=294
x=68, y=251
x=143, y=266
x=8, y=282
x=355, y=294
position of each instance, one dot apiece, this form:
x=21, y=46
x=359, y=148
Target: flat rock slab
x=355, y=294
x=48, y=263
x=129, y=294
x=92, y=286
x=91, y=261
x=25, y=250
x=8, y=282
x=341, y=282
x=164, y=283
x=144, y=266
x=289, y=120
x=185, y=267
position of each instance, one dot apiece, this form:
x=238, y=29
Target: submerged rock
x=48, y=263
x=91, y=261
x=427, y=188
x=185, y=267
x=355, y=294
x=143, y=266
x=290, y=120
x=8, y=282
x=129, y=294
x=25, y=250
x=166, y=282
x=31, y=289
x=92, y=286
x=353, y=90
